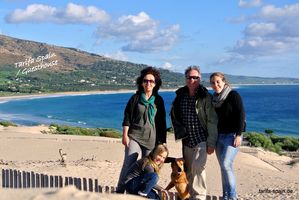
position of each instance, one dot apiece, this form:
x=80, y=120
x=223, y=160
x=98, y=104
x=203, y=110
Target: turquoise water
x=272, y=107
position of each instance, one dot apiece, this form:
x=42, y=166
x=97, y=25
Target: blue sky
x=240, y=37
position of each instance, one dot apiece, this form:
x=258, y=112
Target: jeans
x=195, y=162
x=226, y=154
x=143, y=183
x=131, y=155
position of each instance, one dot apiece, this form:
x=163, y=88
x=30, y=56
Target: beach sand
x=260, y=174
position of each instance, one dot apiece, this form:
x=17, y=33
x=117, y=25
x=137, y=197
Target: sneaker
x=142, y=194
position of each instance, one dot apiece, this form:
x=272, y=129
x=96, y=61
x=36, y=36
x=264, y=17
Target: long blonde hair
x=159, y=149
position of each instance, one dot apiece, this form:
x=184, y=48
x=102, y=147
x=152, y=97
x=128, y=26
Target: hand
x=165, y=194
x=125, y=140
x=210, y=150
x=237, y=141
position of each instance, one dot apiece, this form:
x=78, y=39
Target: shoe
x=142, y=194
x=119, y=191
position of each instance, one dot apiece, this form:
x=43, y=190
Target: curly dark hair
x=149, y=70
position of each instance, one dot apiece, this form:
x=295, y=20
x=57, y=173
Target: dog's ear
x=180, y=161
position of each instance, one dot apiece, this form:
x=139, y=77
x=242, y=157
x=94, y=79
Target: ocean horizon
x=267, y=107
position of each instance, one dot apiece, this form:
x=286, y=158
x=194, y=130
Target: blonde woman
x=231, y=123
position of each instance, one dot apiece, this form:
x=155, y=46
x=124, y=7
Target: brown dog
x=179, y=179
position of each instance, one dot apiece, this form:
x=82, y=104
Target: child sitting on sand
x=143, y=176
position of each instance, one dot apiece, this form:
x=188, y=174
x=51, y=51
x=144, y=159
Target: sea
x=274, y=107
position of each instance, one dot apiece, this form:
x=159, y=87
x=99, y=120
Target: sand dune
x=260, y=174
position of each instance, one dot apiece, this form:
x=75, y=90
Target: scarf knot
x=150, y=106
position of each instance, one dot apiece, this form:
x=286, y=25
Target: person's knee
x=226, y=164
x=154, y=177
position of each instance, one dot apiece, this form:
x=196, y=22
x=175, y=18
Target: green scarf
x=150, y=105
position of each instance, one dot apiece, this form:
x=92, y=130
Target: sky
x=238, y=37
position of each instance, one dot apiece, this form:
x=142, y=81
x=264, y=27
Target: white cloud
x=33, y=13
x=275, y=32
x=119, y=55
x=249, y=3
x=261, y=29
x=73, y=13
x=167, y=65
x=140, y=33
x=86, y=15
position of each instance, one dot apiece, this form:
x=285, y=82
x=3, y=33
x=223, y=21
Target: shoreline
x=4, y=99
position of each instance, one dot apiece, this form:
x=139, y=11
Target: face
x=193, y=79
x=148, y=83
x=217, y=84
x=160, y=158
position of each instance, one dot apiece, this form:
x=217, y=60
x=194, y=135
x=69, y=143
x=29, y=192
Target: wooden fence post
x=56, y=181
x=84, y=184
x=46, y=182
x=71, y=182
x=100, y=189
x=51, y=181
x=10, y=178
x=3, y=178
x=15, y=179
x=42, y=181
x=38, y=180
x=19, y=179
x=79, y=183
x=28, y=179
x=107, y=189
x=33, y=179
x=6, y=178
x=60, y=181
x=24, y=179
x=90, y=185
x=66, y=181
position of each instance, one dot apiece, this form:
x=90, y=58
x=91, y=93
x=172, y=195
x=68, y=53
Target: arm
x=125, y=137
x=160, y=121
x=239, y=113
x=212, y=121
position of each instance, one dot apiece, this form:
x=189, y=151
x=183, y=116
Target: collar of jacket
x=201, y=91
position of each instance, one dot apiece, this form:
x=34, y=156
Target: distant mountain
x=233, y=79
x=34, y=67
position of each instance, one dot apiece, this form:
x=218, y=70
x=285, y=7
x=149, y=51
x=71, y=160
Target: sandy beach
x=260, y=174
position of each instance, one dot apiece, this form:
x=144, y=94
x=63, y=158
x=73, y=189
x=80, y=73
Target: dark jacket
x=160, y=117
x=205, y=111
x=231, y=114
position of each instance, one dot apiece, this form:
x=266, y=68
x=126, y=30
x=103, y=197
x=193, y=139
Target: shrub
x=70, y=130
x=273, y=143
x=7, y=123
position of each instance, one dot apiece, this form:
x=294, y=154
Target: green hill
x=34, y=67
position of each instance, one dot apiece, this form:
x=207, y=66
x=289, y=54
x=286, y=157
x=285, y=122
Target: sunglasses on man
x=193, y=77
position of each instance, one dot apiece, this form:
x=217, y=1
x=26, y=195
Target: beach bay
x=267, y=107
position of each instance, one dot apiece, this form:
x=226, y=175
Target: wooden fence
x=12, y=178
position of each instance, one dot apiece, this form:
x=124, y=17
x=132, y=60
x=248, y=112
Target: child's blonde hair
x=159, y=149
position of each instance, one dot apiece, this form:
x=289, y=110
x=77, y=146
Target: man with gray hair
x=194, y=120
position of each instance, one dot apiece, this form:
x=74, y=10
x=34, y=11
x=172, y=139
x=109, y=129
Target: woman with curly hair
x=144, y=124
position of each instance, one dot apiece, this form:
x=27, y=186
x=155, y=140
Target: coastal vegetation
x=7, y=123
x=71, y=130
x=267, y=140
x=272, y=142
